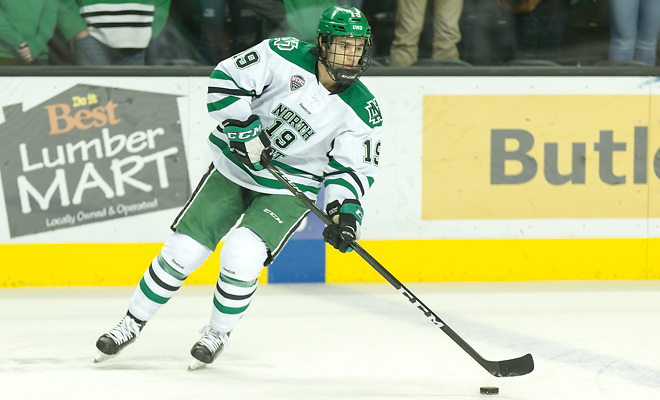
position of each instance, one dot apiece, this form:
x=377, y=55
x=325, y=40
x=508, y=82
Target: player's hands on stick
x=347, y=218
x=247, y=141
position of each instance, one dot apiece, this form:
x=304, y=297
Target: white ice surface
x=590, y=340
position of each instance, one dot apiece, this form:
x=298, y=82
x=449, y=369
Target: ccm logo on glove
x=344, y=230
x=247, y=141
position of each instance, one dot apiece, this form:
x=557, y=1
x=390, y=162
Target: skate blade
x=195, y=364
x=101, y=356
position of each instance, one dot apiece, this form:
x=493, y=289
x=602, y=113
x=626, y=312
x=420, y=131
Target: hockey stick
x=514, y=367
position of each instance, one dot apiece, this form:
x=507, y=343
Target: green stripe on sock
x=168, y=268
x=236, y=282
x=150, y=294
x=228, y=310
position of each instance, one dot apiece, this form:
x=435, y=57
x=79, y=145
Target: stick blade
x=514, y=367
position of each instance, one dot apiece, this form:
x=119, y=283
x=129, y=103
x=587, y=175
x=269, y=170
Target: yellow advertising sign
x=540, y=156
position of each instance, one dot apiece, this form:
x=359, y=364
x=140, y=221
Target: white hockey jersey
x=319, y=138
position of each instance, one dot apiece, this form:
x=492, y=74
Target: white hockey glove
x=247, y=141
x=346, y=224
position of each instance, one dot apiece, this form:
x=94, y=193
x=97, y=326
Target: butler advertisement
x=90, y=154
x=595, y=155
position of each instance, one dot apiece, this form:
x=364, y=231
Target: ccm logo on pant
x=272, y=214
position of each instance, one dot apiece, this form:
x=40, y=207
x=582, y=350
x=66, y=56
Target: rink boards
x=481, y=178
x=109, y=264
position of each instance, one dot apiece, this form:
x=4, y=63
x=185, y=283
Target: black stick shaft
x=514, y=367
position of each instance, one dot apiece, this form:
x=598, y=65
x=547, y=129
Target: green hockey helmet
x=339, y=22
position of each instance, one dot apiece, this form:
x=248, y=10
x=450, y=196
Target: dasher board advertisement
x=88, y=154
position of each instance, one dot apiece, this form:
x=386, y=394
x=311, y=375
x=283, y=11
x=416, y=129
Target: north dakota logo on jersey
x=286, y=43
x=372, y=108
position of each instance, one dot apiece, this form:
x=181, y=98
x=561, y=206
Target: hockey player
x=304, y=109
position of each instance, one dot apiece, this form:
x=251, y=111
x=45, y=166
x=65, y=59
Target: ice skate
x=207, y=348
x=113, y=341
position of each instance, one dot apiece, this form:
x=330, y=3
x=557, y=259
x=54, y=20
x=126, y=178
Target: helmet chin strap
x=343, y=77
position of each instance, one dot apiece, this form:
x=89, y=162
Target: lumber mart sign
x=540, y=156
x=90, y=154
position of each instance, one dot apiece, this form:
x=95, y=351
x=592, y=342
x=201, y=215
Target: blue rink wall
x=300, y=261
x=303, y=258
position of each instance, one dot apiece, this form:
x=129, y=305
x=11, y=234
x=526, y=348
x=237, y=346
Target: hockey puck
x=489, y=390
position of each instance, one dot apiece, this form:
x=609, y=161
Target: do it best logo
x=91, y=154
x=84, y=113
x=540, y=156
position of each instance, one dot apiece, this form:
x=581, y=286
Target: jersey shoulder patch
x=363, y=103
x=294, y=51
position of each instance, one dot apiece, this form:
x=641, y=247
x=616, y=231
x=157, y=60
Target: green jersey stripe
x=217, y=74
x=220, y=104
x=352, y=174
x=346, y=170
x=338, y=166
x=296, y=171
x=270, y=183
x=344, y=183
x=228, y=91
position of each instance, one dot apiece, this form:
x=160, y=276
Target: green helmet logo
x=340, y=21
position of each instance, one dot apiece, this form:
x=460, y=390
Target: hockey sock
x=231, y=298
x=159, y=283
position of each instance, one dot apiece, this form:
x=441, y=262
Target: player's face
x=345, y=53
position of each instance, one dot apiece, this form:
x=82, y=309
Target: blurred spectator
x=539, y=27
x=273, y=13
x=351, y=3
x=487, y=33
x=172, y=46
x=26, y=26
x=243, y=27
x=634, y=29
x=380, y=15
x=111, y=33
x=408, y=28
